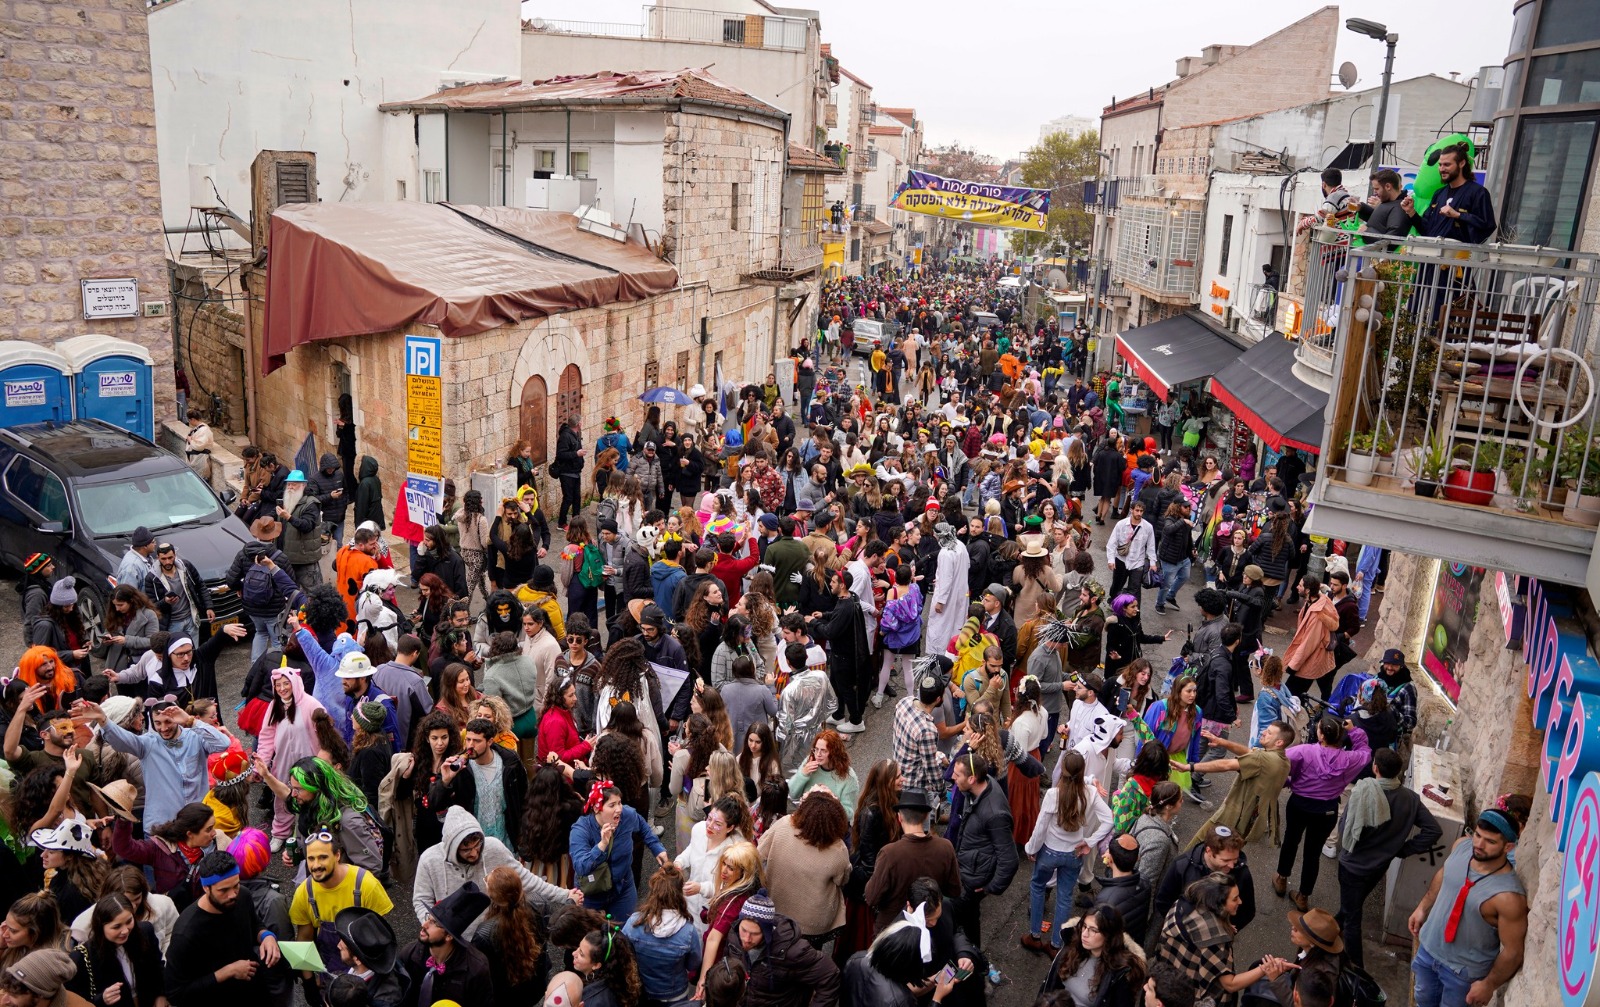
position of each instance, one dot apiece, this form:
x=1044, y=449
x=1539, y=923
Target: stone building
x=699, y=167
x=1292, y=66
x=78, y=176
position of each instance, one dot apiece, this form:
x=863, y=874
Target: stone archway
x=550, y=350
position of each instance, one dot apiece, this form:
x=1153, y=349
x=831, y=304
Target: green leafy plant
x=1434, y=461
x=1372, y=442
x=1490, y=456
x=1578, y=463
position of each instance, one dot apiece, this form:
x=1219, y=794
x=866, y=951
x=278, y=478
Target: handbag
x=597, y=883
x=1343, y=653
x=253, y=715
x=1122, y=549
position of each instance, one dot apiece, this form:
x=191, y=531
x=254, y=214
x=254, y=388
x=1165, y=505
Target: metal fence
x=1459, y=370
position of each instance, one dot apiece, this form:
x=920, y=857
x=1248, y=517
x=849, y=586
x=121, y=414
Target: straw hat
x=119, y=797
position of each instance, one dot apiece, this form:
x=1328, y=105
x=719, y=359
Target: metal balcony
x=1462, y=420
x=801, y=255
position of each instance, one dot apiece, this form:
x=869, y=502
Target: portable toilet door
x=35, y=384
x=111, y=381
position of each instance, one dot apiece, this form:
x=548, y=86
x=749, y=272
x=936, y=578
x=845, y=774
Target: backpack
x=606, y=510
x=257, y=590
x=1358, y=989
x=592, y=573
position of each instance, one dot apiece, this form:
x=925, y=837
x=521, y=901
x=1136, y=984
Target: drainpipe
x=505, y=168
x=568, y=169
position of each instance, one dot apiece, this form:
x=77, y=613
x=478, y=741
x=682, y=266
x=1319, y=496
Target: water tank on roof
x=111, y=381
x=35, y=386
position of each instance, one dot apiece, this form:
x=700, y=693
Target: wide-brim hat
x=371, y=938
x=266, y=529
x=119, y=796
x=456, y=911
x=1320, y=928
x=1036, y=549
x=71, y=836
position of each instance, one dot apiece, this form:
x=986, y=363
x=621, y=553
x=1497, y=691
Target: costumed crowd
x=619, y=772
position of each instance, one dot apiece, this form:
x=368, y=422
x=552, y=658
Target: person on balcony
x=1462, y=210
x=1383, y=214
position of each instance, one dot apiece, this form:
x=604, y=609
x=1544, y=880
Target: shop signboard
x=424, y=428
x=1563, y=680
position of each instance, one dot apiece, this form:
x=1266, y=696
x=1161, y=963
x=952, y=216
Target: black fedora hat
x=368, y=936
x=913, y=800
x=455, y=912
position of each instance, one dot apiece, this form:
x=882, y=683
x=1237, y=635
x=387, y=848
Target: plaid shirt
x=916, y=747
x=1403, y=700
x=1200, y=946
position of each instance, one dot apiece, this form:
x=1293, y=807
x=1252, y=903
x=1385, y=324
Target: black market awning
x=1176, y=351
x=1261, y=389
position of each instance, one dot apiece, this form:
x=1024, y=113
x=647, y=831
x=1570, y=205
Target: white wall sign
x=111, y=298
x=28, y=392
x=118, y=384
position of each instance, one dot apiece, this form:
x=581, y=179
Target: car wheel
x=90, y=608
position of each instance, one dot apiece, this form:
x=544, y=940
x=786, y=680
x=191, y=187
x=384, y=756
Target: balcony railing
x=1463, y=418
x=866, y=211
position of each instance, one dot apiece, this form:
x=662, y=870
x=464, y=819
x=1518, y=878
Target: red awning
x=348, y=269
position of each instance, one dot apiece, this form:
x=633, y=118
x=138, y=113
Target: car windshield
x=154, y=502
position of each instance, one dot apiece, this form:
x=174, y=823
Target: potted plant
x=1579, y=469
x=1527, y=480
x=1474, y=479
x=1433, y=462
x=1366, y=448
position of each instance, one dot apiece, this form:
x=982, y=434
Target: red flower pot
x=1469, y=487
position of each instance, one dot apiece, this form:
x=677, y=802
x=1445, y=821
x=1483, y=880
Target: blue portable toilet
x=111, y=381
x=35, y=384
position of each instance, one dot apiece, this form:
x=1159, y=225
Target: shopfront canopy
x=348, y=269
x=1261, y=389
x=1176, y=351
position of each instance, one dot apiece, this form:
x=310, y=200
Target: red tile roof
x=905, y=115
x=803, y=159
x=853, y=77
x=885, y=130
x=666, y=86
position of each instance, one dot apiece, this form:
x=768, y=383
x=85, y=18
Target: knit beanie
x=369, y=716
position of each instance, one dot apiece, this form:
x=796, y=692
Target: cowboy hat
x=1319, y=926
x=1035, y=549
x=456, y=911
x=71, y=836
x=370, y=937
x=119, y=797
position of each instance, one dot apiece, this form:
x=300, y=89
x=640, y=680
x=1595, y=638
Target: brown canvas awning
x=348, y=269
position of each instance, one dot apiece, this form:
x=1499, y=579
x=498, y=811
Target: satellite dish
x=1347, y=74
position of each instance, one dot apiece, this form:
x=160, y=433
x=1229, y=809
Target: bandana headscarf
x=597, y=794
x=918, y=918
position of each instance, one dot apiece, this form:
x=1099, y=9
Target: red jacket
x=732, y=572
x=558, y=733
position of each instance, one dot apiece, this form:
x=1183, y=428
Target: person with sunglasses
x=173, y=755
x=442, y=964
x=330, y=887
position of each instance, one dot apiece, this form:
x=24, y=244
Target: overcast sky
x=988, y=75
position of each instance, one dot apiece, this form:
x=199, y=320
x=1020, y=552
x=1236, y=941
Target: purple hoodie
x=1320, y=773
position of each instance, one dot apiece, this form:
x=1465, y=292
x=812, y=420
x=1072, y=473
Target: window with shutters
x=652, y=373
x=294, y=182
x=433, y=186
x=533, y=417
x=683, y=369
x=733, y=209
x=569, y=393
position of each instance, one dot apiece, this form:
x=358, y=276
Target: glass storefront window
x=1564, y=78
x=1567, y=22
x=1511, y=90
x=1521, y=29
x=1548, y=180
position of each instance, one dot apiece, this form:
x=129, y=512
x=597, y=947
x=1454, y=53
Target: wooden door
x=569, y=395
x=533, y=418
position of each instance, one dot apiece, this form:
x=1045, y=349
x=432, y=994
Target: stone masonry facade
x=484, y=376
x=212, y=345
x=80, y=195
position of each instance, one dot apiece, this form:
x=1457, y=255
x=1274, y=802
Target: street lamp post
x=1372, y=29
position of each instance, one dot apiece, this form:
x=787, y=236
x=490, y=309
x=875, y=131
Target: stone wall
x=79, y=186
x=485, y=374
x=1289, y=67
x=211, y=340
x=704, y=157
x=1491, y=729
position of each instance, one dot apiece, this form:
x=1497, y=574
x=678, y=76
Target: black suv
x=78, y=490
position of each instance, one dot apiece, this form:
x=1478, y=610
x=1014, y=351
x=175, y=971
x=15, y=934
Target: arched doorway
x=533, y=418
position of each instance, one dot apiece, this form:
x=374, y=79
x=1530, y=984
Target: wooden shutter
x=533, y=419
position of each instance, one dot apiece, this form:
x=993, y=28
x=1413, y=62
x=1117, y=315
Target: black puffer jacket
x=1129, y=896
x=984, y=848
x=323, y=483
x=865, y=986
x=789, y=973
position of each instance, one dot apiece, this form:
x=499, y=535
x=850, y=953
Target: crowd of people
x=619, y=772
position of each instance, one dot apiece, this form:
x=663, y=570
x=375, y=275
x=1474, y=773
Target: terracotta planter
x=1469, y=487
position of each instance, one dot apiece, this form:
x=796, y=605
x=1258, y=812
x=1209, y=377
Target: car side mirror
x=52, y=528
x=229, y=497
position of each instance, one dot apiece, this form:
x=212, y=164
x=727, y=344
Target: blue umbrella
x=667, y=395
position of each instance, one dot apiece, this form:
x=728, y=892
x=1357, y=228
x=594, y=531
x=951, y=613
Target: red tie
x=1454, y=921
